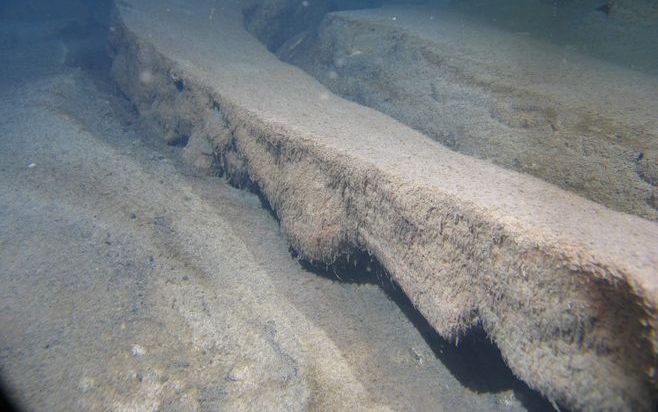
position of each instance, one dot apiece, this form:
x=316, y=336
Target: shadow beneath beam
x=473, y=360
x=7, y=401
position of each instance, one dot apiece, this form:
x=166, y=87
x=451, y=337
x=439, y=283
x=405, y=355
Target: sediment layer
x=565, y=287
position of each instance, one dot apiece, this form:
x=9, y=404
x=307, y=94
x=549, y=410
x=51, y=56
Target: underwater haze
x=405, y=205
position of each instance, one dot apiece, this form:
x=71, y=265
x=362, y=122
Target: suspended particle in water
x=333, y=75
x=305, y=3
x=146, y=76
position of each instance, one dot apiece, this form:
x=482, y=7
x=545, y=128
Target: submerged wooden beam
x=565, y=287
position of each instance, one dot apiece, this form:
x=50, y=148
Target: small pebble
x=86, y=384
x=417, y=356
x=241, y=371
x=138, y=351
x=181, y=364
